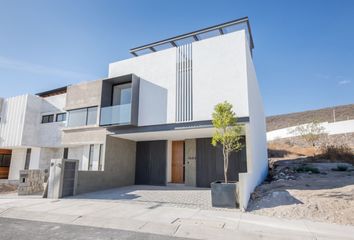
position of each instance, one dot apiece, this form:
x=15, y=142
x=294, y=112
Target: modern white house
x=149, y=121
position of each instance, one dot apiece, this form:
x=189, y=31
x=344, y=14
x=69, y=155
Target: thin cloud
x=7, y=63
x=344, y=82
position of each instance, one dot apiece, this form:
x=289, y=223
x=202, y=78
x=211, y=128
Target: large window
x=122, y=94
x=82, y=117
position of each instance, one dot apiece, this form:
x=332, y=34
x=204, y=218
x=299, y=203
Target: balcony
x=116, y=115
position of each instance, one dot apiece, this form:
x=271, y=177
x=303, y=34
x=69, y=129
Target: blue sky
x=304, y=52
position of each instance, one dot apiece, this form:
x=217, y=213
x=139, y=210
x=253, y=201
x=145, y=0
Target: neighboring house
x=30, y=131
x=149, y=122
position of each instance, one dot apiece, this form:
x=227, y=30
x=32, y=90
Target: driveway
x=172, y=195
x=125, y=212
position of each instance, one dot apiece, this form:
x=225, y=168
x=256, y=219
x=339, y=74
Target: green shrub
x=305, y=169
x=341, y=168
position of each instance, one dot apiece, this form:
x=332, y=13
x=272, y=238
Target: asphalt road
x=15, y=229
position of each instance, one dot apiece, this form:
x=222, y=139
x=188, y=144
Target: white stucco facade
x=219, y=74
x=21, y=129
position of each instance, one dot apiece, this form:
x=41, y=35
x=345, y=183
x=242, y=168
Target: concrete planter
x=224, y=194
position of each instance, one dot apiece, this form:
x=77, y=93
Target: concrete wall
x=86, y=94
x=18, y=159
x=30, y=136
x=47, y=154
x=256, y=142
x=119, y=167
x=83, y=136
x=50, y=133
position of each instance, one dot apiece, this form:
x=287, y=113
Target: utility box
x=62, y=179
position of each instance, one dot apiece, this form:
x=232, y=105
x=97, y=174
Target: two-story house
x=149, y=121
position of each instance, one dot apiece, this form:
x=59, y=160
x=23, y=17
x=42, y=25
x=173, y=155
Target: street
x=34, y=230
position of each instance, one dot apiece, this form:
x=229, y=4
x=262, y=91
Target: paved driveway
x=173, y=195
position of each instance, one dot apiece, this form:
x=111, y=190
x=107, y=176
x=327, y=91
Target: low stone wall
x=31, y=181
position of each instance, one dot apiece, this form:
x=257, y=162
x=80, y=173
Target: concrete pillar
x=190, y=162
x=18, y=160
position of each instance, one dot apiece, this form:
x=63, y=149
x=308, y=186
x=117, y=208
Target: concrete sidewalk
x=171, y=221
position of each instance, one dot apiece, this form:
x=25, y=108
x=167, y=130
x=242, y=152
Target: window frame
x=48, y=116
x=86, y=116
x=60, y=114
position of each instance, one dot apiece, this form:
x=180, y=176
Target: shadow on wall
x=152, y=103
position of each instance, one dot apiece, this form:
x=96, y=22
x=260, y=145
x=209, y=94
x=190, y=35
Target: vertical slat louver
x=184, y=84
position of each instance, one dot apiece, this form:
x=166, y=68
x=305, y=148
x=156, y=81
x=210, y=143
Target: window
x=28, y=158
x=91, y=116
x=100, y=158
x=61, y=117
x=5, y=160
x=82, y=117
x=66, y=153
x=48, y=118
x=90, y=163
x=122, y=94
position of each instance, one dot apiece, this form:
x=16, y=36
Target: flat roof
x=52, y=92
x=201, y=34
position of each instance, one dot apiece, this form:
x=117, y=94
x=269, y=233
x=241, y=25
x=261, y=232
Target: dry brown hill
x=344, y=112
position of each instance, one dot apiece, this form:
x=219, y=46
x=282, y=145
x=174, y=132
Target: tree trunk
x=226, y=163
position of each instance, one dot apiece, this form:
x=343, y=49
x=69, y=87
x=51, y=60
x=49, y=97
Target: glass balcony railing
x=116, y=115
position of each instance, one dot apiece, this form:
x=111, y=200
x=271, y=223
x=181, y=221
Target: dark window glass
x=5, y=160
x=92, y=147
x=66, y=153
x=61, y=117
x=48, y=118
x=28, y=158
x=100, y=167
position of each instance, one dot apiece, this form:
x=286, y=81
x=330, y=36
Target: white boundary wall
x=256, y=142
x=340, y=127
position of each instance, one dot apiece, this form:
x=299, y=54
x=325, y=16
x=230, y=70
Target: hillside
x=344, y=112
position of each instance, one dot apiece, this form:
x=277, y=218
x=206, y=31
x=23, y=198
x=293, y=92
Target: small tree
x=228, y=132
x=310, y=133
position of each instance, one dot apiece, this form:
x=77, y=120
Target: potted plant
x=228, y=136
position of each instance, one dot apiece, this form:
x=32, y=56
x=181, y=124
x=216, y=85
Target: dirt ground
x=295, y=193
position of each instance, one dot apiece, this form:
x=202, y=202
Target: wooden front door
x=177, y=161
